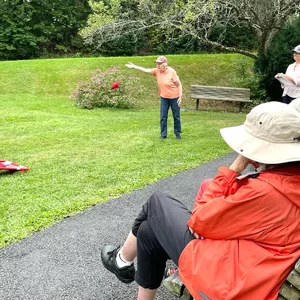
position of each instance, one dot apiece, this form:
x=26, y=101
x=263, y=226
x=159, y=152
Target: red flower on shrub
x=115, y=85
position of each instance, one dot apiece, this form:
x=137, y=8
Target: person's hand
x=279, y=75
x=240, y=164
x=179, y=101
x=130, y=65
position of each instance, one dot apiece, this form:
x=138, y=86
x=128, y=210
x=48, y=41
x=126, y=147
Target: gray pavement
x=63, y=262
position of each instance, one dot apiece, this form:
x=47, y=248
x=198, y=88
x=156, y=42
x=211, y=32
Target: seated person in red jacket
x=243, y=235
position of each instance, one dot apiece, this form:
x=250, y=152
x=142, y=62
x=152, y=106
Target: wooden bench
x=204, y=92
x=290, y=290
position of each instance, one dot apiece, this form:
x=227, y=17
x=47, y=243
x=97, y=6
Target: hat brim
x=260, y=150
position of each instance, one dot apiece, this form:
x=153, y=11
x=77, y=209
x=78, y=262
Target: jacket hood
x=287, y=176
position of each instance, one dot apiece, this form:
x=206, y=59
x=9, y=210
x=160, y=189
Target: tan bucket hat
x=270, y=134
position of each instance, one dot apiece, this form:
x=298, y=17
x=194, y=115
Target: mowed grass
x=78, y=157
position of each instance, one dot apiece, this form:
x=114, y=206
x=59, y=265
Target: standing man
x=170, y=92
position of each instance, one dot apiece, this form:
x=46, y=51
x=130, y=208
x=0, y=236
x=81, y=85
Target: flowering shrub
x=105, y=89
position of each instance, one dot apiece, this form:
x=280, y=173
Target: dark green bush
x=246, y=78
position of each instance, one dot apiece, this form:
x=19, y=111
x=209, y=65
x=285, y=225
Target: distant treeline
x=49, y=28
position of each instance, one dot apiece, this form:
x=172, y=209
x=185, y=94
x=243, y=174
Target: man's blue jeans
x=165, y=104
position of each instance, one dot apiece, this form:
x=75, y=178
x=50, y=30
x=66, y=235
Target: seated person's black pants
x=162, y=233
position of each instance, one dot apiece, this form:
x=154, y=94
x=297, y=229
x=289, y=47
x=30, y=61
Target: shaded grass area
x=79, y=158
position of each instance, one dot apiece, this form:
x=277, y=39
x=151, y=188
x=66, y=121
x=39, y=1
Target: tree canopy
x=196, y=19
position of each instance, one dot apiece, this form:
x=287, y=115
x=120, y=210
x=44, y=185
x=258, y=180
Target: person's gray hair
x=264, y=167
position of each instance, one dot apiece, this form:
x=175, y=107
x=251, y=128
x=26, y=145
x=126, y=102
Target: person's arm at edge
x=295, y=80
x=222, y=190
x=239, y=165
x=285, y=76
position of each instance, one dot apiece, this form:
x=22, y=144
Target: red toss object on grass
x=10, y=166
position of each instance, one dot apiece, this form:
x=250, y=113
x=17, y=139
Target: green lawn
x=78, y=157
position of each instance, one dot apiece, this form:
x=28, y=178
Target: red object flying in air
x=115, y=85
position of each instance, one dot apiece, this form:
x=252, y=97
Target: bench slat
x=297, y=266
x=195, y=86
x=289, y=292
x=294, y=279
x=222, y=99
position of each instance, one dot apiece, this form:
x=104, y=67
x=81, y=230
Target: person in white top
x=291, y=79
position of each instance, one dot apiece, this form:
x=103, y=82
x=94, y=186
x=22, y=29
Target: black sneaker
x=178, y=136
x=108, y=257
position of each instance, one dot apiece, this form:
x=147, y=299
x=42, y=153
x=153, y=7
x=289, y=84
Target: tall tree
x=16, y=39
x=194, y=18
x=106, y=12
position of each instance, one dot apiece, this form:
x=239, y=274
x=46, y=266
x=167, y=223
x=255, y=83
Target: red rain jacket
x=252, y=236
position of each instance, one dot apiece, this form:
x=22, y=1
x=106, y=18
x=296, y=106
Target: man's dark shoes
x=108, y=257
x=162, y=137
x=178, y=136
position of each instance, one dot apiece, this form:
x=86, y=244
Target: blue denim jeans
x=165, y=104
